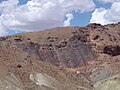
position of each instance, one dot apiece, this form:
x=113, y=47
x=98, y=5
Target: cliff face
x=59, y=58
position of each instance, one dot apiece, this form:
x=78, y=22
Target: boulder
x=112, y=50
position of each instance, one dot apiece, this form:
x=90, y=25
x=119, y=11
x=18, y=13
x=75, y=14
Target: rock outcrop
x=72, y=51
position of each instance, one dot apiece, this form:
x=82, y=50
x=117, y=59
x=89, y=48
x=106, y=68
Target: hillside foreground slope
x=63, y=58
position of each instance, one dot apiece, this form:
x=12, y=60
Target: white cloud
x=98, y=16
x=39, y=14
x=69, y=18
x=106, y=16
x=113, y=14
x=3, y=31
x=82, y=5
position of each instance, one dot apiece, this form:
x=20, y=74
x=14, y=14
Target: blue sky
x=17, y=19
x=83, y=19
x=23, y=2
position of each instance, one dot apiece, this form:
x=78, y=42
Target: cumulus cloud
x=81, y=5
x=39, y=14
x=98, y=16
x=69, y=18
x=106, y=16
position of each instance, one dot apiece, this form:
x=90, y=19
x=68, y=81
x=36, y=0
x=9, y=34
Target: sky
x=18, y=16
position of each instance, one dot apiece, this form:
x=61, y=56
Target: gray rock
x=74, y=52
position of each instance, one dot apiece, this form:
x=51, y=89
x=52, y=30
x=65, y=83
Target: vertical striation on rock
x=74, y=52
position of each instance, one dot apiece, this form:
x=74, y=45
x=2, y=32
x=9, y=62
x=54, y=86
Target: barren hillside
x=63, y=58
